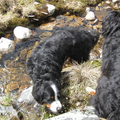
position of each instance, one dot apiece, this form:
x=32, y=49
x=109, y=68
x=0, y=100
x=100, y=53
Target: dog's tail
x=95, y=34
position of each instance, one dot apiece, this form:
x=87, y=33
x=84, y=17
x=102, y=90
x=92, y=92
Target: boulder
x=90, y=14
x=6, y=45
x=22, y=33
x=51, y=9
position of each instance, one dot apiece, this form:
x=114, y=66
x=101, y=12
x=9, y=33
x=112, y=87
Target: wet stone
x=99, y=17
x=0, y=56
x=60, y=21
x=62, y=25
x=23, y=79
x=74, y=24
x=48, y=26
x=79, y=20
x=12, y=86
x=70, y=18
x=23, y=54
x=28, y=54
x=45, y=35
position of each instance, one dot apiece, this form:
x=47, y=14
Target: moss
x=18, y=22
x=2, y=34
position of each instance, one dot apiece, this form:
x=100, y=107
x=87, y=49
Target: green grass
x=7, y=100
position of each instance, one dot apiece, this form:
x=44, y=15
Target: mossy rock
x=18, y=22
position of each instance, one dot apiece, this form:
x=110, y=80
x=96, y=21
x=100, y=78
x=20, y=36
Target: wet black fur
x=107, y=97
x=45, y=63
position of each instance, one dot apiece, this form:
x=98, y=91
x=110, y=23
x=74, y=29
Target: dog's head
x=49, y=95
x=111, y=23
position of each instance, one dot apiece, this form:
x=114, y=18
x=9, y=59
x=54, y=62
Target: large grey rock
x=26, y=96
x=87, y=114
x=8, y=110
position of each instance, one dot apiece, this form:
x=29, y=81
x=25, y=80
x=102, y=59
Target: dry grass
x=10, y=9
x=80, y=77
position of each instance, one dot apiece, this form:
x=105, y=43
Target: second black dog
x=107, y=97
x=45, y=63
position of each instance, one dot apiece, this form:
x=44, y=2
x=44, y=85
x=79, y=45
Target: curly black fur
x=107, y=98
x=45, y=63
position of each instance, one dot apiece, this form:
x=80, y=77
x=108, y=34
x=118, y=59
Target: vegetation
x=74, y=85
x=10, y=10
x=6, y=101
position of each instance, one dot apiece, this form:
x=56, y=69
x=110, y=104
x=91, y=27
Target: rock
x=87, y=114
x=22, y=33
x=48, y=26
x=79, y=20
x=73, y=24
x=114, y=1
x=12, y=86
x=97, y=8
x=45, y=35
x=100, y=4
x=51, y=9
x=23, y=54
x=0, y=56
x=116, y=7
x=8, y=110
x=90, y=14
x=36, y=3
x=6, y=45
x=26, y=96
x=107, y=2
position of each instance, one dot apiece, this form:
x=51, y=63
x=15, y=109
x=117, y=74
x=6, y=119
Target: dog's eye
x=52, y=97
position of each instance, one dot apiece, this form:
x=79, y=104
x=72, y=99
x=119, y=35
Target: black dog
x=45, y=64
x=107, y=98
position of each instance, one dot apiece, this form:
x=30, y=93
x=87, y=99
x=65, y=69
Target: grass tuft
x=74, y=83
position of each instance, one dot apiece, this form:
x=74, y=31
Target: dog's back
x=107, y=98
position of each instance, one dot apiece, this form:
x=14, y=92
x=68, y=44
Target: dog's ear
x=37, y=93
